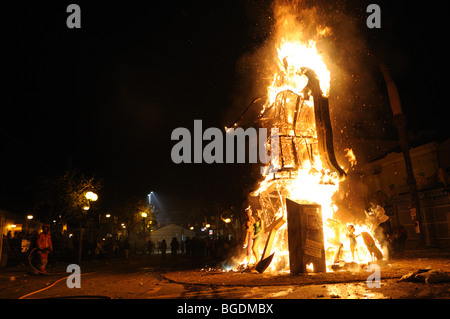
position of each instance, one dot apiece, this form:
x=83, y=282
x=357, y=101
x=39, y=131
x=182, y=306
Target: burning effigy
x=297, y=189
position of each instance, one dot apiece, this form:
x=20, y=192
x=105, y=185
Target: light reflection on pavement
x=341, y=290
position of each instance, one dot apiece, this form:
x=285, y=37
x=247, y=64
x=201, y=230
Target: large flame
x=311, y=182
x=302, y=177
x=292, y=56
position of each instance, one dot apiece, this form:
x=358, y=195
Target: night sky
x=106, y=97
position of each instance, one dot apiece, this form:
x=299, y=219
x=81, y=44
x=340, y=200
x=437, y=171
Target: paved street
x=150, y=278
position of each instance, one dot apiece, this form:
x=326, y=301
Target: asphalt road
x=150, y=278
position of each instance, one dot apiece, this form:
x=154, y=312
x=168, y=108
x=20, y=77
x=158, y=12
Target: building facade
x=169, y=232
x=386, y=181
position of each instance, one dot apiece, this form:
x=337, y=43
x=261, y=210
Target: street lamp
x=29, y=217
x=144, y=216
x=91, y=196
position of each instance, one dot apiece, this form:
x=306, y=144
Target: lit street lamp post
x=144, y=216
x=90, y=196
x=29, y=217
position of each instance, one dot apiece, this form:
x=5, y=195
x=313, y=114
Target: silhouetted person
x=188, y=246
x=399, y=236
x=174, y=246
x=150, y=247
x=163, y=248
x=126, y=248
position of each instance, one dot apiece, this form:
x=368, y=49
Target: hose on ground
x=37, y=270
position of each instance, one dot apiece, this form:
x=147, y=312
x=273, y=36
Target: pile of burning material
x=306, y=170
x=360, y=245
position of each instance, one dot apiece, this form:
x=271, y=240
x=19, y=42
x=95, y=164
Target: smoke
x=359, y=110
x=358, y=103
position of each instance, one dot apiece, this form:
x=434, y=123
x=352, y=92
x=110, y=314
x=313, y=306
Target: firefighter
x=44, y=245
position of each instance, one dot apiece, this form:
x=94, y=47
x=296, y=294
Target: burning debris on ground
x=396, y=270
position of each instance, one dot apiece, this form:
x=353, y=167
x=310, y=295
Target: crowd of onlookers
x=197, y=247
x=18, y=245
x=15, y=245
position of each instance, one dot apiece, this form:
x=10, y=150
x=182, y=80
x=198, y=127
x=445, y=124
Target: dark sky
x=108, y=95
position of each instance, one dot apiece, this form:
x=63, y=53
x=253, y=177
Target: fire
x=351, y=156
x=308, y=181
x=297, y=55
x=292, y=57
x=297, y=94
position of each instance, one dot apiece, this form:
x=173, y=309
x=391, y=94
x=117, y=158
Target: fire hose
x=37, y=270
x=49, y=286
x=54, y=283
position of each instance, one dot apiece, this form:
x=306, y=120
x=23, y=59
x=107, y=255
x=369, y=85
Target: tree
x=62, y=197
x=131, y=213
